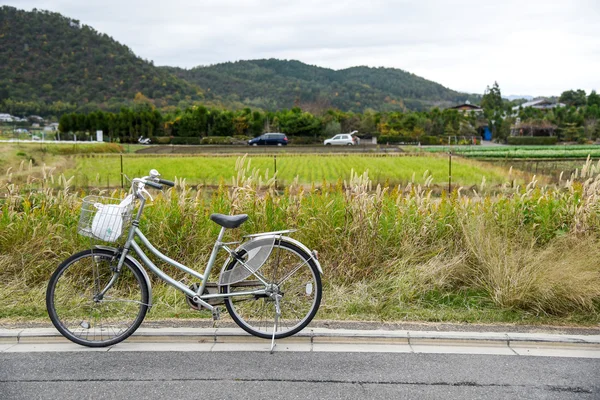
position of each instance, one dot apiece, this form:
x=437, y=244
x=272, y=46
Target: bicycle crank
x=210, y=289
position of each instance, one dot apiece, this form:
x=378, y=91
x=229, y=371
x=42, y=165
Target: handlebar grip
x=166, y=182
x=153, y=184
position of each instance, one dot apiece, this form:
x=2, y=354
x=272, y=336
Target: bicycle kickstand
x=216, y=314
x=277, y=315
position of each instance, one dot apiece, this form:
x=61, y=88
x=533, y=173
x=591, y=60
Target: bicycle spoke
x=288, y=276
x=290, y=272
x=86, y=321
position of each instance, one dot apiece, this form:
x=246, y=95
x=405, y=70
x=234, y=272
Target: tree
x=570, y=132
x=240, y=125
x=368, y=124
x=492, y=100
x=576, y=98
x=593, y=99
x=65, y=123
x=333, y=128
x=492, y=104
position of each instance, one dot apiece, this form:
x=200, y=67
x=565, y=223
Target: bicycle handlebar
x=153, y=181
x=166, y=182
x=154, y=185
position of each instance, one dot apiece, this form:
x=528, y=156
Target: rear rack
x=270, y=233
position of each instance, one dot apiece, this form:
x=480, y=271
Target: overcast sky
x=533, y=47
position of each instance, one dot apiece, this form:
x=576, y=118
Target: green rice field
x=519, y=152
x=211, y=170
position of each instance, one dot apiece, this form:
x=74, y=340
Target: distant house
x=6, y=118
x=540, y=104
x=467, y=108
x=53, y=127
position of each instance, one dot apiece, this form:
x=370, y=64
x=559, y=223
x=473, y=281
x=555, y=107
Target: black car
x=274, y=139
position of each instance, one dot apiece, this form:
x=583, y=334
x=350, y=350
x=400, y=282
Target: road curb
x=322, y=335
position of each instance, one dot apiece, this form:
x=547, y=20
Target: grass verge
x=389, y=253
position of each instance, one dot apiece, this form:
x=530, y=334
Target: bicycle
x=270, y=284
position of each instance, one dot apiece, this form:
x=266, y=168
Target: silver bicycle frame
x=198, y=297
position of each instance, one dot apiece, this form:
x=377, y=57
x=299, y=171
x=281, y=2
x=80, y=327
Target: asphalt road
x=252, y=375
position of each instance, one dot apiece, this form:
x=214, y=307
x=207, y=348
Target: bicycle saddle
x=229, y=221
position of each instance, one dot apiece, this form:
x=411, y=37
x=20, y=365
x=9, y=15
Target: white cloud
x=538, y=47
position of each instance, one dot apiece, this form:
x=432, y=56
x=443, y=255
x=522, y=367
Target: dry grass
x=389, y=253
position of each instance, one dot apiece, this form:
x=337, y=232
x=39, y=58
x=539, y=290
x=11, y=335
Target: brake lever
x=143, y=190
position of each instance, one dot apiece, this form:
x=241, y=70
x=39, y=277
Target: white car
x=343, y=139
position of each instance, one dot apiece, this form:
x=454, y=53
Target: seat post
x=211, y=260
x=221, y=234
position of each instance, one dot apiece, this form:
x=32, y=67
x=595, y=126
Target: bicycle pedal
x=216, y=313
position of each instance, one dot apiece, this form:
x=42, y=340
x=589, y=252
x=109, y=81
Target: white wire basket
x=104, y=218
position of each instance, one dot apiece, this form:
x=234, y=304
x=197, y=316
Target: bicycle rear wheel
x=80, y=315
x=291, y=273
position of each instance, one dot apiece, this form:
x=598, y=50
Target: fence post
x=275, y=163
x=122, y=187
x=449, y=172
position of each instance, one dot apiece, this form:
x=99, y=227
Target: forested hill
x=48, y=58
x=282, y=84
x=52, y=64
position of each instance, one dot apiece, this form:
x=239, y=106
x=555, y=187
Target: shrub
x=305, y=140
x=430, y=140
x=217, y=140
x=393, y=139
x=240, y=139
x=424, y=140
x=185, y=140
x=532, y=140
x=160, y=139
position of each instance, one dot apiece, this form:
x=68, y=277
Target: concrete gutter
x=319, y=335
x=317, y=339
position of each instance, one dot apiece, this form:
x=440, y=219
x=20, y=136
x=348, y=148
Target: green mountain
x=273, y=84
x=49, y=58
x=52, y=64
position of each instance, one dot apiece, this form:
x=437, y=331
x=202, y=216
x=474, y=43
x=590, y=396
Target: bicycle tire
x=96, y=323
x=299, y=304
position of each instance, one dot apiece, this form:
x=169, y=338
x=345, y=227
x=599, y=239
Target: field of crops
x=519, y=152
x=210, y=170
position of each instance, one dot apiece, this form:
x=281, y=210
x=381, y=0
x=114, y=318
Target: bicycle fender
x=303, y=247
x=267, y=238
x=138, y=265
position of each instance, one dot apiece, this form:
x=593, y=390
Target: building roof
x=466, y=106
x=539, y=103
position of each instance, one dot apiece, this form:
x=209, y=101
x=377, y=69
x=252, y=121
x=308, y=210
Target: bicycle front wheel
x=81, y=314
x=290, y=273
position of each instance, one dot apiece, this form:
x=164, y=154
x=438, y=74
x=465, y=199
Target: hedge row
x=532, y=140
x=423, y=140
x=385, y=139
x=196, y=140
x=225, y=140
